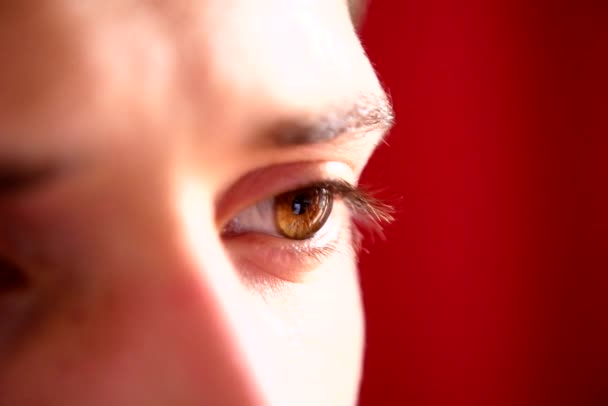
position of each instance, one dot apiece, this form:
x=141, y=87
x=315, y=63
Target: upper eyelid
x=340, y=189
x=369, y=213
x=263, y=183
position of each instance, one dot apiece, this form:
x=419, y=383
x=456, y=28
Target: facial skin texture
x=141, y=129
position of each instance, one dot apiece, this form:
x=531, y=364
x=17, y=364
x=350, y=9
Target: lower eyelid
x=292, y=259
x=275, y=257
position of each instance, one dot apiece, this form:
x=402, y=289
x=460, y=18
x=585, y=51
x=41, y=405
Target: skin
x=142, y=130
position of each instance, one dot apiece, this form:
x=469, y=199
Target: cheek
x=157, y=332
x=159, y=323
x=142, y=342
x=320, y=325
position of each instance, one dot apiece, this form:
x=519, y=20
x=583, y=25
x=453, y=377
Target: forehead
x=82, y=72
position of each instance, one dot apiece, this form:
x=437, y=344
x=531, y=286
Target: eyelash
x=371, y=212
x=360, y=201
x=367, y=215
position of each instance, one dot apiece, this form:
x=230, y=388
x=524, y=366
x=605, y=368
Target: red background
x=492, y=286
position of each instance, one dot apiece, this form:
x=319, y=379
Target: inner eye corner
x=12, y=277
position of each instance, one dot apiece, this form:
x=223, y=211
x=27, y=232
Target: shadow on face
x=178, y=194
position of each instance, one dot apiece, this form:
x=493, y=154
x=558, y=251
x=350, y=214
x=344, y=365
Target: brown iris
x=301, y=213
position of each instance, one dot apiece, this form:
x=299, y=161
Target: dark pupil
x=300, y=204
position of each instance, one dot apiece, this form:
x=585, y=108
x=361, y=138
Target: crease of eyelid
x=17, y=178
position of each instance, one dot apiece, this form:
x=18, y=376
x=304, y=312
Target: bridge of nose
x=215, y=334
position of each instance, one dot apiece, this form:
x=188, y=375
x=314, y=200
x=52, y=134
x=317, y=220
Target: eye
x=301, y=213
x=286, y=221
x=297, y=215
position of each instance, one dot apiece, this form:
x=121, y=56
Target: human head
x=164, y=167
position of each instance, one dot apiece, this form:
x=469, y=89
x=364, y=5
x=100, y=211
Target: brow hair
x=366, y=114
x=357, y=10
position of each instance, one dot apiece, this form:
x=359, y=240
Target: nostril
x=12, y=277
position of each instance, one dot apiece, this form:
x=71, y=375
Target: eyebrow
x=366, y=114
x=357, y=9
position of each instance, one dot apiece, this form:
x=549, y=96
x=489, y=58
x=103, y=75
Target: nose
x=184, y=329
x=220, y=328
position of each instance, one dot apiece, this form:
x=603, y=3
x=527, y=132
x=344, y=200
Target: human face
x=149, y=253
